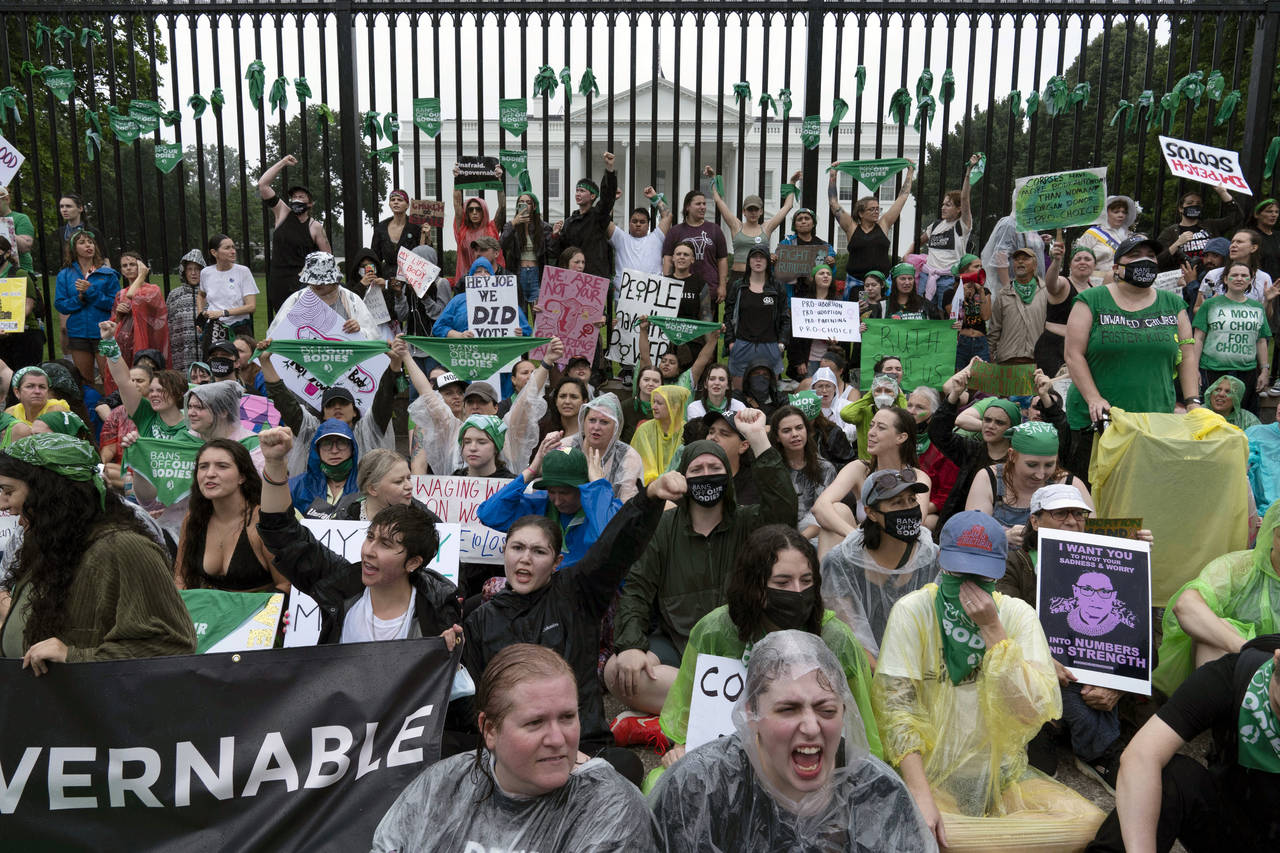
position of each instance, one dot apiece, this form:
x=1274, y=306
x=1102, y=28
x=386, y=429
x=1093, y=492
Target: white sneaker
x=1274, y=390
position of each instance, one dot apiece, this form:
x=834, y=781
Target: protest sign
x=456, y=500
x=1060, y=199
x=472, y=359
x=477, y=173
x=304, y=620
x=641, y=294
x=1123, y=528
x=1093, y=594
x=1204, y=163
x=345, y=538
x=11, y=160
x=927, y=349
x=377, y=305
x=416, y=271
x=825, y=320
x=426, y=115
x=679, y=330
x=797, y=262
x=493, y=309
x=1003, y=380
x=310, y=319
x=288, y=749
x=10, y=537
x=569, y=304
x=233, y=621
x=9, y=231
x=871, y=173
x=513, y=115
x=13, y=305
x=327, y=360
x=1170, y=280
x=717, y=684
x=166, y=463
x=425, y=211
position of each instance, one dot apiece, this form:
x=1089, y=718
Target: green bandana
x=19, y=374
x=922, y=444
x=167, y=464
x=585, y=185
x=1011, y=409
x=871, y=173
x=962, y=263
x=474, y=358
x=513, y=115
x=1081, y=250
x=65, y=423
x=1258, y=738
x=426, y=115
x=902, y=269
x=680, y=331
x=962, y=643
x=340, y=471
x=491, y=425
x=808, y=402
x=216, y=613
x=1035, y=438
x=63, y=455
x=1026, y=292
x=327, y=360
x=168, y=156
x=811, y=131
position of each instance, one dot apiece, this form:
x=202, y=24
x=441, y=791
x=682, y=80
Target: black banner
x=477, y=173
x=280, y=750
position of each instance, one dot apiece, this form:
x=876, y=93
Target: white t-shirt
x=697, y=408
x=1211, y=285
x=636, y=253
x=224, y=290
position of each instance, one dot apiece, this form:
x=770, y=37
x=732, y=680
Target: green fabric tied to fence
x=426, y=115
x=198, y=104
x=811, y=131
x=125, y=127
x=680, y=331
x=328, y=360
x=256, y=75
x=146, y=114
x=513, y=115
x=861, y=76
x=92, y=135
x=302, y=88
x=474, y=358
x=60, y=81
x=280, y=94
x=168, y=156
x=12, y=101
x=166, y=463
x=545, y=82
x=784, y=98
x=587, y=85
x=900, y=105
x=839, y=108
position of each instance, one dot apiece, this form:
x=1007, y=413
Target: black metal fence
x=669, y=101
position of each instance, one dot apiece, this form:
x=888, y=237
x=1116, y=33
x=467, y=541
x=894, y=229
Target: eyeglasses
x=1064, y=514
x=1090, y=592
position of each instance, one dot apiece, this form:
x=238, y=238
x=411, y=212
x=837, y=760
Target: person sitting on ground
x=330, y=474
x=382, y=480
x=567, y=398
x=810, y=473
x=602, y=423
x=67, y=423
x=639, y=408
x=922, y=403
x=31, y=386
x=713, y=393
x=482, y=438
x=669, y=362
x=722, y=429
x=658, y=440
x=323, y=279
x=164, y=423
x=683, y=568
x=1224, y=397
x=388, y=595
x=797, y=774
x=523, y=788
x=963, y=682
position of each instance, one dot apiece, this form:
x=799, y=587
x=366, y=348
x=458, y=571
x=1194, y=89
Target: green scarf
x=1026, y=292
x=338, y=472
x=922, y=444
x=327, y=360
x=1258, y=738
x=962, y=643
x=64, y=455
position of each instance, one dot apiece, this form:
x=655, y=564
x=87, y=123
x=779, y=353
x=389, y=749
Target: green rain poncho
x=1237, y=417
x=1242, y=588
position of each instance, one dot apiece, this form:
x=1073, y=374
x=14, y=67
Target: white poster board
x=640, y=295
x=1170, y=280
x=456, y=499
x=717, y=684
x=825, y=320
x=418, y=272
x=345, y=538
x=1204, y=163
x=11, y=160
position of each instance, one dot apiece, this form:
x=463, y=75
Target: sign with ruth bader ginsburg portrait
x=1094, y=600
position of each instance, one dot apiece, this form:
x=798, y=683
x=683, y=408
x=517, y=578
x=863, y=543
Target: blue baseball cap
x=973, y=543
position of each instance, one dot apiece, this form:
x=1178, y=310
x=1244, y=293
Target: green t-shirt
x=23, y=228
x=1231, y=333
x=150, y=425
x=1131, y=354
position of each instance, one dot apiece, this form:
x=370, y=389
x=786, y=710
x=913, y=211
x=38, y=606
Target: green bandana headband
x=17, y=376
x=1011, y=409
x=1260, y=206
x=808, y=402
x=1035, y=438
x=490, y=425
x=962, y=645
x=874, y=274
x=585, y=185
x=63, y=455
x=962, y=263
x=820, y=265
x=65, y=423
x=1081, y=250
x=1258, y=736
x=902, y=269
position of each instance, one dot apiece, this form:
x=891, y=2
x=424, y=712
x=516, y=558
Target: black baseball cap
x=337, y=392
x=1134, y=241
x=728, y=417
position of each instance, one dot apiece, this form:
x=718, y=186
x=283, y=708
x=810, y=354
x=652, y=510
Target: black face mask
x=708, y=490
x=1191, y=211
x=787, y=609
x=298, y=207
x=903, y=524
x=758, y=388
x=1141, y=273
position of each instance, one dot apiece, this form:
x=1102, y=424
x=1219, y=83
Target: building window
x=428, y=183
x=847, y=186
x=553, y=181
x=887, y=193
x=769, y=183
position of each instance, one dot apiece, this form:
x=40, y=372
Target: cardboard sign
x=797, y=261
x=1204, y=163
x=641, y=294
x=456, y=499
x=825, y=320
x=345, y=538
x=1121, y=528
x=11, y=160
x=927, y=349
x=477, y=173
x=377, y=305
x=1003, y=380
x=1170, y=280
x=493, y=307
x=717, y=684
x=13, y=305
x=418, y=272
x=1060, y=199
x=1093, y=594
x=569, y=304
x=424, y=211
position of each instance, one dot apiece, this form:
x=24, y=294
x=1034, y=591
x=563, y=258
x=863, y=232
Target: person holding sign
x=963, y=682
x=867, y=231
x=639, y=248
x=1232, y=336
x=527, y=787
x=471, y=221
x=797, y=774
x=1186, y=237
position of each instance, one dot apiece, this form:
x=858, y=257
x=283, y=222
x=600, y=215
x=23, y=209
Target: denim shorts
x=745, y=353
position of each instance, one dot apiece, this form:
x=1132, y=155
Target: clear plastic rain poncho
x=726, y=795
x=972, y=736
x=1242, y=588
x=456, y=805
x=862, y=592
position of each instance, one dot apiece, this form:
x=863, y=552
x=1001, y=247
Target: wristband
x=658, y=199
x=109, y=348
x=547, y=365
x=267, y=479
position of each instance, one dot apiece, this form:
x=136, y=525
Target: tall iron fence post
x=1257, y=116
x=812, y=100
x=349, y=132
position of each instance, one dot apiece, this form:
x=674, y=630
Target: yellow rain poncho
x=972, y=737
x=658, y=445
x=1242, y=587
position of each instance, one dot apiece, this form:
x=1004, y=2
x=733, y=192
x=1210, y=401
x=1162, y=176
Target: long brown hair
x=812, y=469
x=194, y=527
x=745, y=591
x=99, y=259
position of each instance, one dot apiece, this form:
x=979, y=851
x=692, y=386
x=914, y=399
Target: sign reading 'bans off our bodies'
x=927, y=349
x=641, y=295
x=1204, y=163
x=569, y=304
x=1060, y=199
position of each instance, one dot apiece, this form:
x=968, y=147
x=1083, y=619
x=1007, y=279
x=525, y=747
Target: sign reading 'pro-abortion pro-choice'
x=1060, y=199
x=825, y=320
x=927, y=349
x=641, y=295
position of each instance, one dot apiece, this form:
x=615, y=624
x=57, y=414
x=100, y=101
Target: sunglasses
x=1063, y=514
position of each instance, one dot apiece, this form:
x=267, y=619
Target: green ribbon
x=1215, y=86
x=324, y=117
x=327, y=361
x=1015, y=104
x=1145, y=100
x=871, y=173
x=1033, y=103
x=125, y=127
x=256, y=74
x=146, y=114
x=566, y=79
x=924, y=84
x=766, y=102
x=784, y=98
x=742, y=92
x=87, y=33
x=279, y=94
x=42, y=30
x=1123, y=107
x=861, y=76
x=924, y=113
x=474, y=358
x=168, y=464
x=29, y=69
x=388, y=153
x=1269, y=163
x=544, y=82
x=60, y=81
x=372, y=127
x=900, y=105
x=839, y=108
x=168, y=156
x=1191, y=87
x=391, y=125
x=790, y=190
x=66, y=35
x=171, y=117
x=948, y=91
x=962, y=645
x=92, y=135
x=426, y=115
x=12, y=101
x=680, y=331
x=217, y=100
x=513, y=161
x=513, y=115
x=1080, y=94
x=524, y=183
x=198, y=104
x=978, y=170
x=587, y=84
x=717, y=181
x=302, y=88
x=1228, y=108
x=811, y=131
x=1057, y=97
